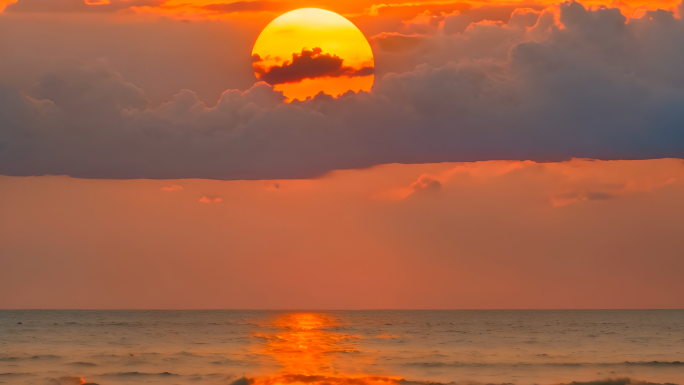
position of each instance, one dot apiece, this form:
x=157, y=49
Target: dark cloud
x=173, y=188
x=426, y=184
x=206, y=199
x=243, y=381
x=598, y=88
x=395, y=42
x=409, y=11
x=437, y=45
x=424, y=23
x=78, y=5
x=524, y=18
x=458, y=22
x=309, y=64
x=97, y=88
x=247, y=6
x=160, y=55
x=582, y=196
x=599, y=196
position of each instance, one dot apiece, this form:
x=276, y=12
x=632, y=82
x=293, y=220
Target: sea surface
x=341, y=347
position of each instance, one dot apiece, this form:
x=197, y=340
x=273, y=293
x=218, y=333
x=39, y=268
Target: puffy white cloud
x=600, y=87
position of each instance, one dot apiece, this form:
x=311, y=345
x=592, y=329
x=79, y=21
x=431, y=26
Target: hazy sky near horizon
x=143, y=164
x=579, y=234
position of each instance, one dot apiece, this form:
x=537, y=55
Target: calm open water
x=341, y=347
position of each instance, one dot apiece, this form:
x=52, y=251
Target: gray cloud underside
x=599, y=88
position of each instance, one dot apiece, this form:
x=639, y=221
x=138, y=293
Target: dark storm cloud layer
x=309, y=64
x=78, y=5
x=597, y=88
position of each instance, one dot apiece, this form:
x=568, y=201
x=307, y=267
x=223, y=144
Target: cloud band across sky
x=599, y=87
x=79, y=5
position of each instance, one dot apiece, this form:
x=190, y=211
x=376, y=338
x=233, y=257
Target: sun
x=309, y=50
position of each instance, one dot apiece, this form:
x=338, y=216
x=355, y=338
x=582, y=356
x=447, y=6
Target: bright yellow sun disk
x=310, y=28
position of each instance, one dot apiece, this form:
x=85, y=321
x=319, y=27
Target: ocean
x=387, y=347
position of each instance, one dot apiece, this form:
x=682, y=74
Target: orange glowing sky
x=466, y=235
x=359, y=8
x=172, y=90
x=355, y=9
x=209, y=58
x=261, y=34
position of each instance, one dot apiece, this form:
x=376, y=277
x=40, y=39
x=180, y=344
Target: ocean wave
x=655, y=363
x=301, y=379
x=69, y=380
x=33, y=357
x=617, y=381
x=607, y=381
x=544, y=364
x=82, y=364
x=138, y=374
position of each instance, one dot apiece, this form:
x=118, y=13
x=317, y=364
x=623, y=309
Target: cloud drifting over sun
x=309, y=64
x=545, y=85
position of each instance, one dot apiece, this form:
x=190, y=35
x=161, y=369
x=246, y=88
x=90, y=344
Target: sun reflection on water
x=306, y=348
